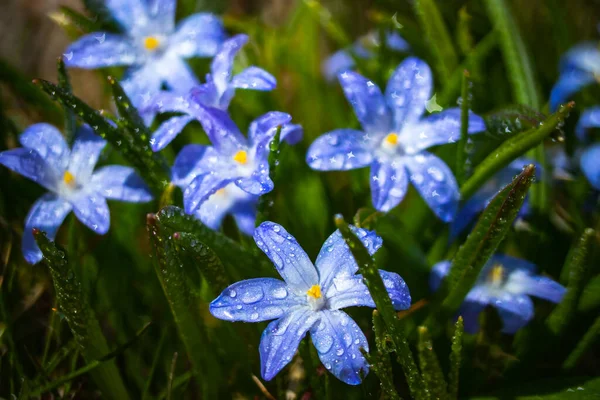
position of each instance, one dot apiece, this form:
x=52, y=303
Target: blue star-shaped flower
x=217, y=92
x=505, y=283
x=394, y=139
x=69, y=175
x=232, y=159
x=151, y=44
x=480, y=200
x=590, y=157
x=342, y=60
x=308, y=299
x=579, y=67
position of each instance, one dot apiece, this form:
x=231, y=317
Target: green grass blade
x=430, y=367
x=383, y=366
x=491, y=228
x=437, y=36
x=576, y=267
x=81, y=318
x=511, y=149
x=374, y=283
x=64, y=83
x=461, y=154
x=589, y=339
x=265, y=202
x=455, y=359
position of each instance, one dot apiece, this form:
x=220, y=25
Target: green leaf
x=64, y=83
x=511, y=149
x=265, y=202
x=333, y=29
x=374, y=283
x=151, y=166
x=461, y=153
x=239, y=261
x=491, y=228
x=518, y=63
x=584, y=345
x=168, y=266
x=590, y=297
x=381, y=364
x=455, y=359
x=73, y=22
x=430, y=367
x=129, y=113
x=81, y=318
x=205, y=260
x=437, y=36
x=576, y=267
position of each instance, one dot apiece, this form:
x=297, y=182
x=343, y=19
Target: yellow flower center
x=241, y=157
x=496, y=274
x=314, y=291
x=392, y=139
x=69, y=179
x=151, y=43
x=220, y=192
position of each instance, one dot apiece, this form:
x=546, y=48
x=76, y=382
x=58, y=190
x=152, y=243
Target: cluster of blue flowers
x=229, y=176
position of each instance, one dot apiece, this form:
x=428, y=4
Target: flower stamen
x=391, y=139
x=151, y=43
x=241, y=157
x=496, y=274
x=69, y=179
x=314, y=292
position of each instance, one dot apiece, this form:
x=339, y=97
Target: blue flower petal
x=85, y=153
x=335, y=260
x=584, y=56
x=201, y=188
x=590, y=118
x=291, y=133
x=389, y=184
x=434, y=181
x=352, y=292
x=258, y=183
x=177, y=74
x=142, y=83
x=31, y=165
x=281, y=338
x=130, y=14
x=408, y=90
x=222, y=65
x=254, y=78
x=368, y=102
x=199, y=35
x=515, y=310
x=118, y=182
x=590, y=165
x=263, y=129
x=221, y=130
x=341, y=149
x=289, y=258
x=48, y=142
x=162, y=13
x=338, y=62
x=436, y=129
x=168, y=130
x=338, y=340
x=245, y=216
x=254, y=300
x=91, y=209
x=568, y=83
x=208, y=95
x=194, y=160
x=101, y=49
x=438, y=273
x=536, y=285
x=470, y=311
x=46, y=214
x=395, y=42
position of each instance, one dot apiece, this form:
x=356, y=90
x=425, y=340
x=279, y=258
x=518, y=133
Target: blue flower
x=217, y=92
x=579, y=67
x=590, y=157
x=479, y=201
x=394, y=139
x=308, y=299
x=232, y=159
x=69, y=176
x=151, y=44
x=505, y=283
x=343, y=60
